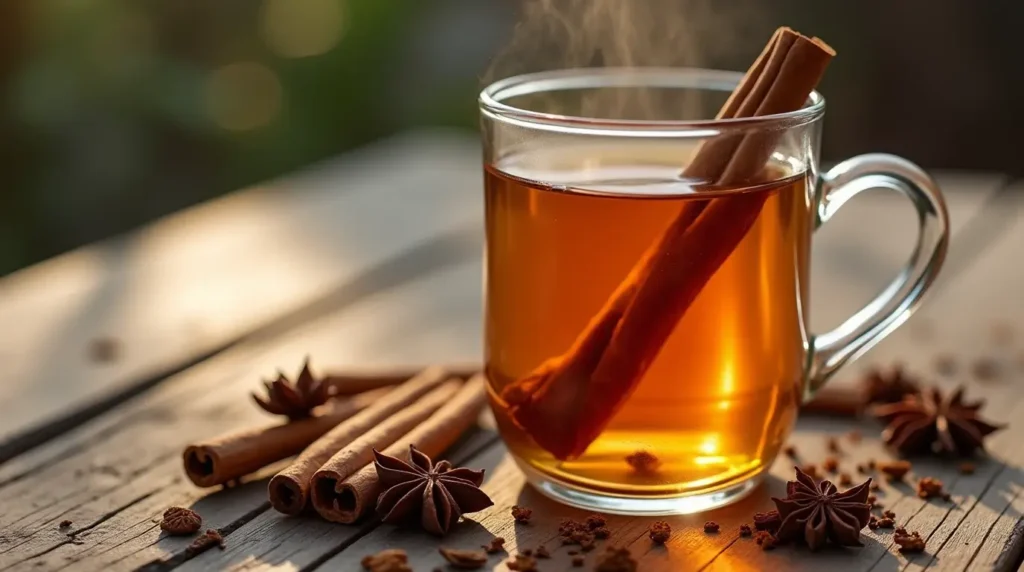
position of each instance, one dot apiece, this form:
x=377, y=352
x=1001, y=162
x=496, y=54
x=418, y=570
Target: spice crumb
x=895, y=470
x=521, y=514
x=595, y=521
x=833, y=444
x=845, y=479
x=811, y=470
x=526, y=552
x=862, y=468
x=573, y=552
x=745, y=530
x=711, y=527
x=65, y=523
x=910, y=542
x=985, y=369
x=765, y=540
x=602, y=533
x=464, y=559
x=767, y=521
x=790, y=451
x=391, y=560
x=871, y=464
x=831, y=465
x=205, y=542
x=929, y=488
x=945, y=364
x=577, y=561
x=522, y=563
x=874, y=486
x=660, y=531
x=643, y=462
x=889, y=514
x=542, y=552
x=497, y=544
x=615, y=560
x=966, y=468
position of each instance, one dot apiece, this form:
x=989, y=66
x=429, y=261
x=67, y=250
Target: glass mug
x=669, y=390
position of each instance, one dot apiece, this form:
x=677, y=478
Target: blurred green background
x=116, y=112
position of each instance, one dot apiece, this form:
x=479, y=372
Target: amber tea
x=718, y=399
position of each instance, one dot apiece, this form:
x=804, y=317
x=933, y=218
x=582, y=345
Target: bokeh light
x=301, y=28
x=243, y=96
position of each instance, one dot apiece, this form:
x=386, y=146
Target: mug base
x=637, y=506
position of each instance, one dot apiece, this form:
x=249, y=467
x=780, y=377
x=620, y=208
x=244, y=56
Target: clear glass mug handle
x=831, y=350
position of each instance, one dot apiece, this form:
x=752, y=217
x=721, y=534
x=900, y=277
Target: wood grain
x=199, y=281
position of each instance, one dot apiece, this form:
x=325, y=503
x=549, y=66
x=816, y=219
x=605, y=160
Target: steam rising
x=559, y=34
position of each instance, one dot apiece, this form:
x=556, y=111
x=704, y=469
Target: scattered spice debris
x=930, y=487
x=526, y=552
x=542, y=552
x=966, y=468
x=660, y=531
x=643, y=462
x=595, y=521
x=497, y=544
x=615, y=560
x=573, y=552
x=745, y=530
x=895, y=470
x=65, y=523
x=205, y=542
x=767, y=521
x=833, y=445
x=862, y=469
x=831, y=465
x=909, y=542
x=765, y=540
x=985, y=369
x=874, y=486
x=577, y=561
x=790, y=451
x=521, y=514
x=945, y=364
x=103, y=350
x=391, y=560
x=711, y=527
x=180, y=521
x=845, y=479
x=900, y=530
x=522, y=563
x=871, y=464
x=464, y=559
x=889, y=514
x=886, y=522
x=810, y=470
x=602, y=533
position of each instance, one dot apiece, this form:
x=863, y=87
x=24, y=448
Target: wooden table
x=374, y=258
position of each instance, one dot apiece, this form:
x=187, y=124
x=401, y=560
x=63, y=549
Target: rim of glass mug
x=492, y=102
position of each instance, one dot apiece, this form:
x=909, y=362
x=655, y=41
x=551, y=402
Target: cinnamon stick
x=289, y=489
x=348, y=500
x=567, y=402
x=216, y=461
x=354, y=382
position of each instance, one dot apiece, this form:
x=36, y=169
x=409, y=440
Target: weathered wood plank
x=114, y=475
x=195, y=282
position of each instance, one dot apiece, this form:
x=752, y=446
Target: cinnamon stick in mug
x=216, y=461
x=568, y=400
x=352, y=382
x=348, y=500
x=289, y=489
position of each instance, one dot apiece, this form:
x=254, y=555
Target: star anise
x=931, y=421
x=435, y=496
x=889, y=385
x=294, y=400
x=818, y=512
